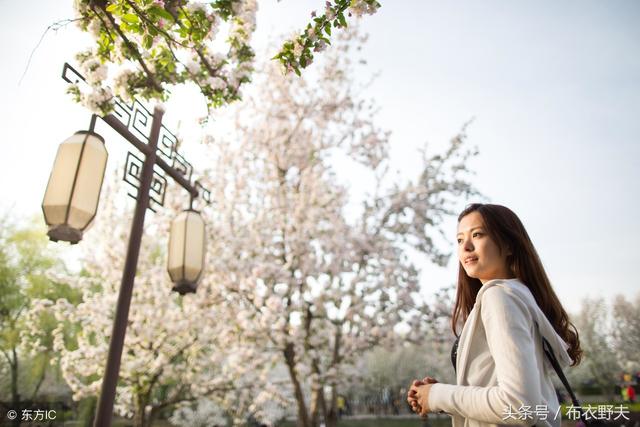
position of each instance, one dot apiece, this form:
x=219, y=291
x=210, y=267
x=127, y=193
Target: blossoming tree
x=177, y=350
x=25, y=259
x=321, y=285
x=153, y=45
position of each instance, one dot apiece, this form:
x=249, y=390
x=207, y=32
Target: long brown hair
x=506, y=230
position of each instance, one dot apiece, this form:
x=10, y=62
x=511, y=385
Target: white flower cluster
x=297, y=48
x=363, y=7
x=121, y=84
x=205, y=413
x=329, y=12
x=94, y=27
x=242, y=27
x=93, y=70
x=96, y=97
x=194, y=6
x=222, y=75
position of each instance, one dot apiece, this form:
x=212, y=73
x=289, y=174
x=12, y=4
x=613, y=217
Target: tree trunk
x=323, y=406
x=303, y=416
x=87, y=411
x=318, y=408
x=332, y=415
x=15, y=396
x=139, y=417
x=40, y=380
x=314, y=406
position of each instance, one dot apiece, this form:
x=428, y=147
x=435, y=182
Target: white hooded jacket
x=502, y=375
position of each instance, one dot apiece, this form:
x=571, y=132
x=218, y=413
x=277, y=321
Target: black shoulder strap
x=554, y=362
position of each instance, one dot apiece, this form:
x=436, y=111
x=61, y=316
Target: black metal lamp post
x=71, y=201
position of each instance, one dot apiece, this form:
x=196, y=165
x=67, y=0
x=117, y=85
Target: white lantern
x=186, y=251
x=71, y=199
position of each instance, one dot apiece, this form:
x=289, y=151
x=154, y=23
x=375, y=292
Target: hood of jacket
x=516, y=288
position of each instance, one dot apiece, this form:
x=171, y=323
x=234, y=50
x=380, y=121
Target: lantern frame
x=183, y=286
x=64, y=231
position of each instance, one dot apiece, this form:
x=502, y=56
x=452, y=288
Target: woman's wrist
x=433, y=399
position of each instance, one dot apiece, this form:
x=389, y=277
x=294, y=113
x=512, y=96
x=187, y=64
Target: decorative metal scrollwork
x=71, y=75
x=137, y=118
x=203, y=192
x=182, y=166
x=132, y=175
x=158, y=189
x=122, y=111
x=167, y=143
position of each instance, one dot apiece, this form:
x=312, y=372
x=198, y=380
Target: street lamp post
x=185, y=262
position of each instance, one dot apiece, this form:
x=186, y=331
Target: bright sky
x=554, y=88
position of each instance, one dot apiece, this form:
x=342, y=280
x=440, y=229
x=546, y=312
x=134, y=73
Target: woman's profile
x=506, y=304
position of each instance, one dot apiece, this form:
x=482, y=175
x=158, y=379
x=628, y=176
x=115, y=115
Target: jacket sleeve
x=508, y=325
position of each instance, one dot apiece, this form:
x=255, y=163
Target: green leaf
x=111, y=8
x=147, y=41
x=327, y=29
x=343, y=21
x=131, y=18
x=163, y=13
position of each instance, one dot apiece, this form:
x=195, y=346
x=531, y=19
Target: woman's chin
x=472, y=273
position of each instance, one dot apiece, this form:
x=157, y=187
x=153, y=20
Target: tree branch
x=150, y=77
x=55, y=27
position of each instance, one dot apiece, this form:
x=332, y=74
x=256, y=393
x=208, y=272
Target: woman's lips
x=470, y=260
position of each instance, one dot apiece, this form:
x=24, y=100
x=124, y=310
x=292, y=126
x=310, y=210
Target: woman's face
x=479, y=255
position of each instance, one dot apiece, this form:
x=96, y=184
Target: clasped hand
x=418, y=395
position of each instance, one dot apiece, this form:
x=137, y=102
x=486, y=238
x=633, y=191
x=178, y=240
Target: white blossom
x=307, y=274
x=216, y=83
x=94, y=27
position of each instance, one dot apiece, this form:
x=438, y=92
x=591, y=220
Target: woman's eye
x=477, y=234
x=459, y=241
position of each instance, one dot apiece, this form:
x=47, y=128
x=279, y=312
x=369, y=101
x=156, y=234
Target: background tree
x=321, y=285
x=600, y=359
x=25, y=286
x=385, y=374
x=178, y=349
x=625, y=314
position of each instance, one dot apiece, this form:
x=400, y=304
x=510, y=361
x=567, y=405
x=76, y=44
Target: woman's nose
x=468, y=245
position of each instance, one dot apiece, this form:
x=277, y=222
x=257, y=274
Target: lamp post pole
x=181, y=175
x=104, y=411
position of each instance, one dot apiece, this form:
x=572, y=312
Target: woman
x=506, y=303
